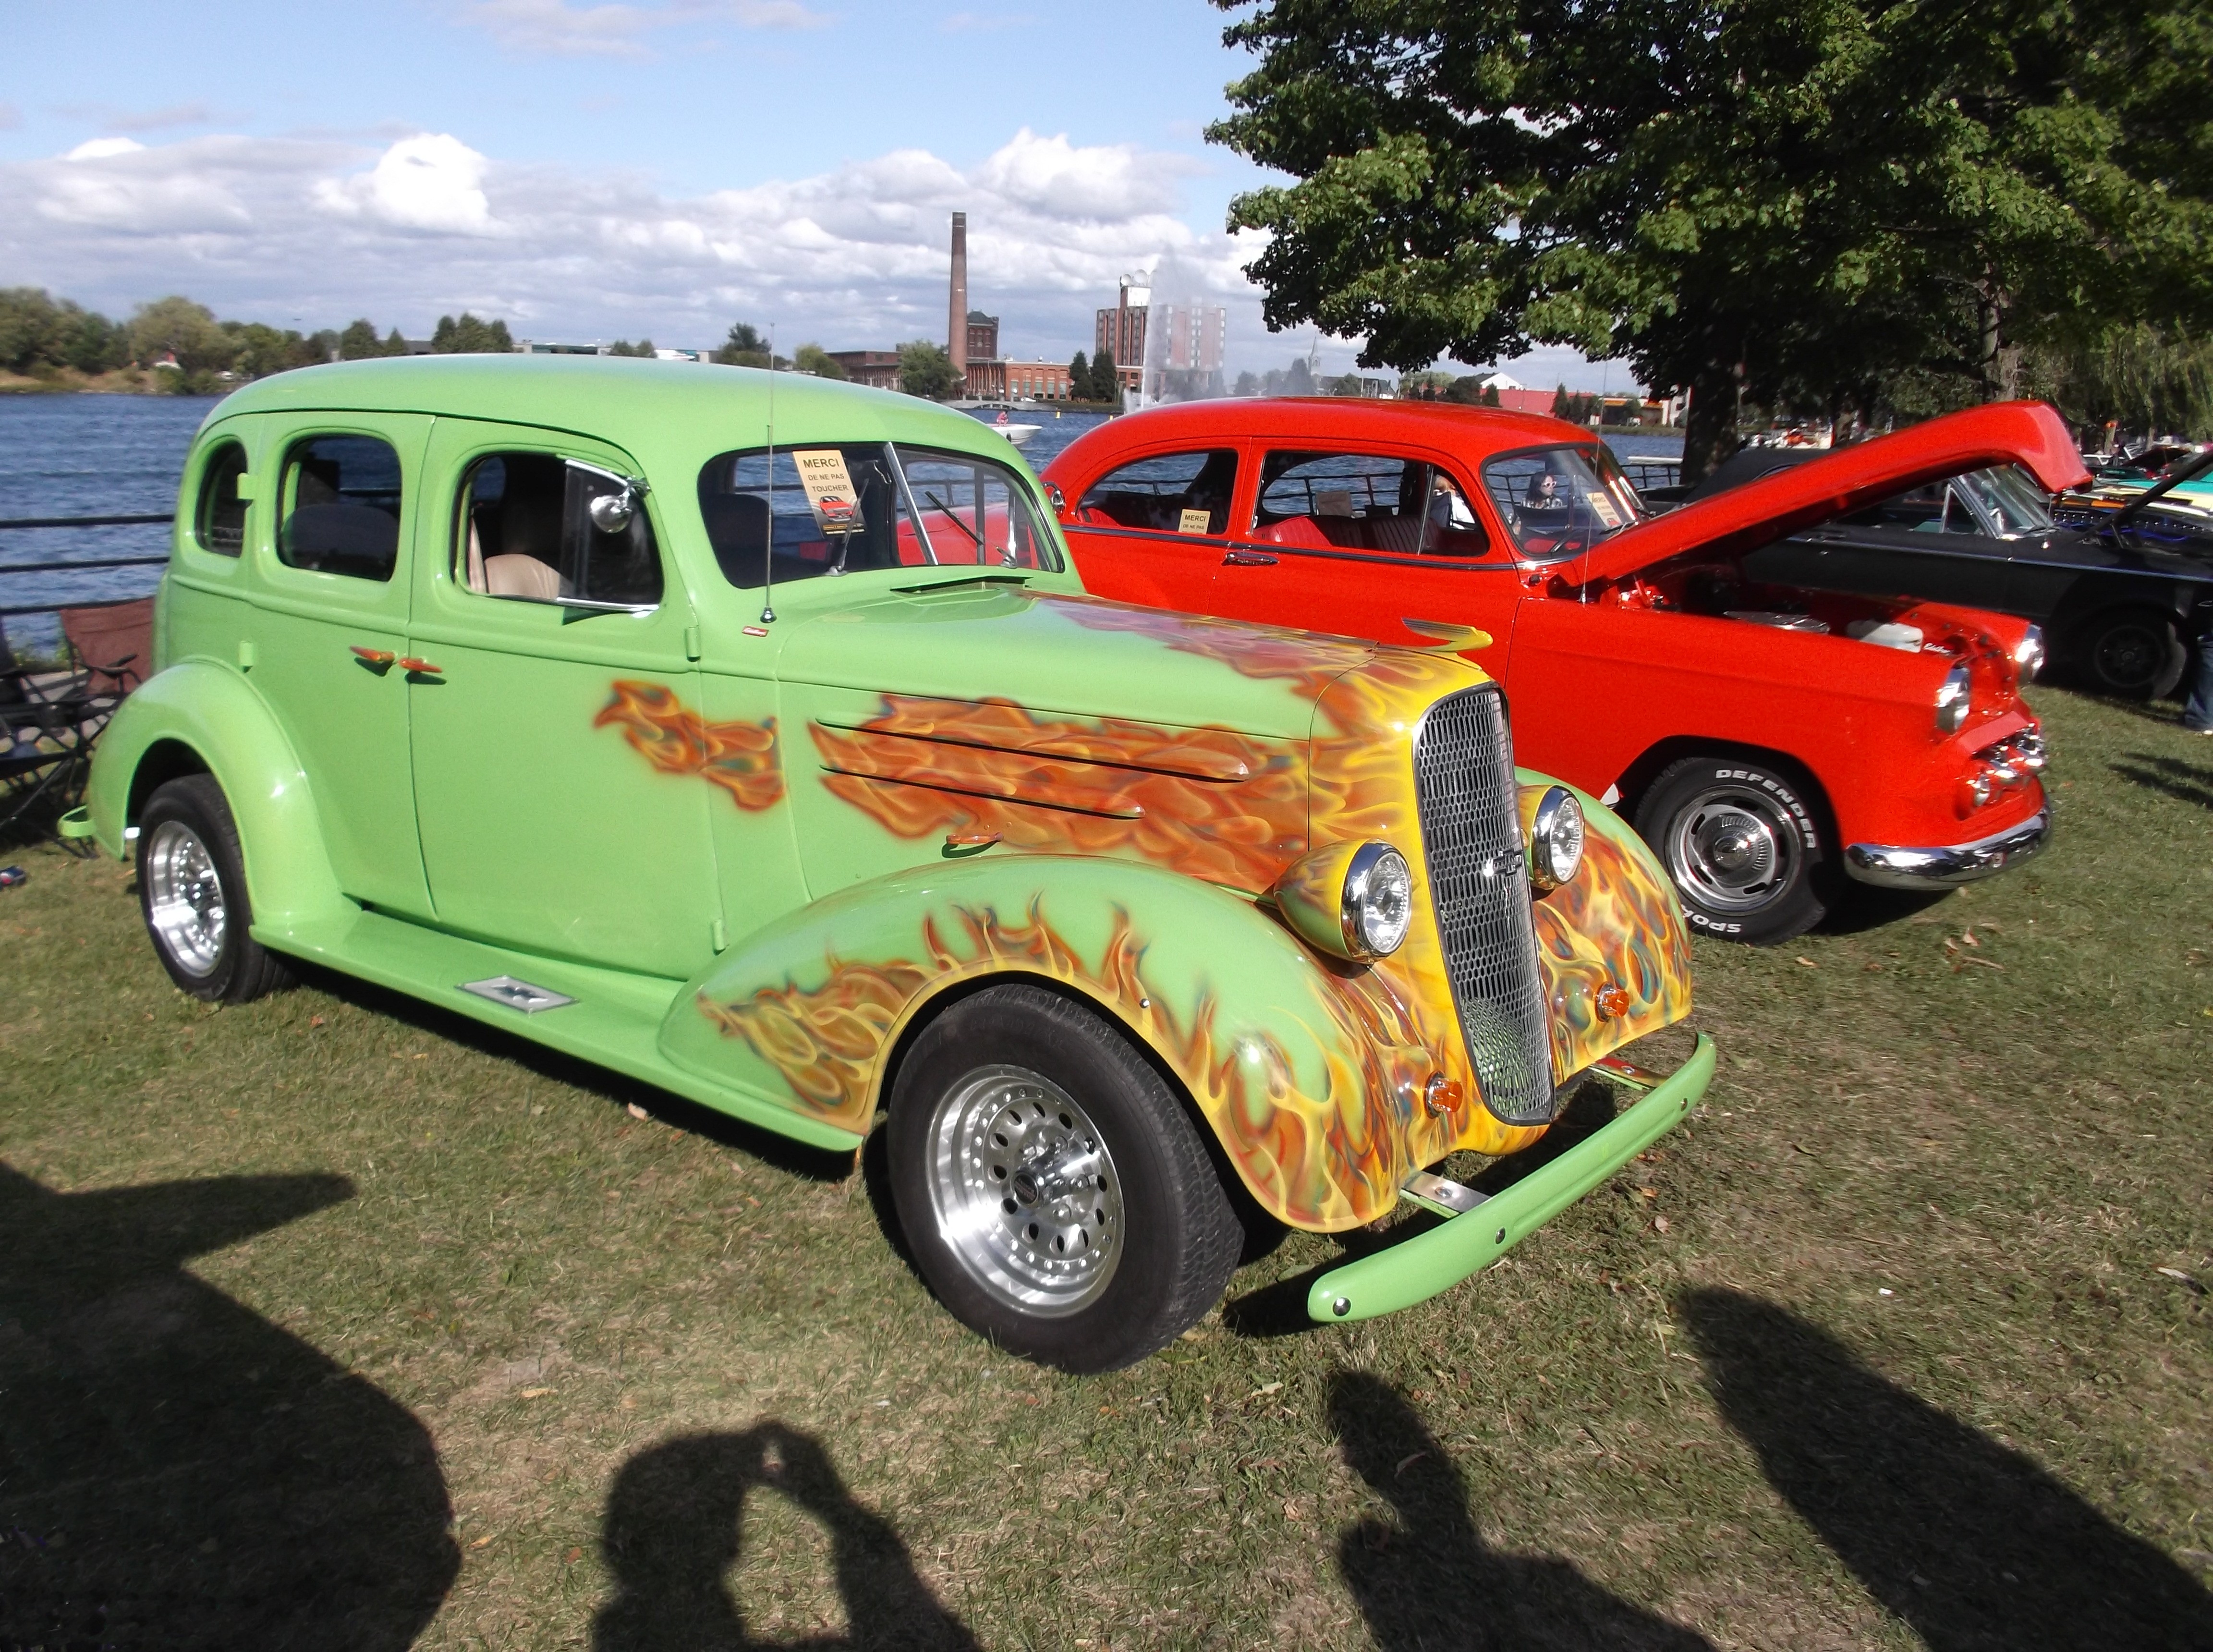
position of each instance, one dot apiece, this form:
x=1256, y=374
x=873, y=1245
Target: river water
x=81, y=455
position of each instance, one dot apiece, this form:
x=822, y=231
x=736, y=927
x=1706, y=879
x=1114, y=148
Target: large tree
x=1788, y=198
x=926, y=369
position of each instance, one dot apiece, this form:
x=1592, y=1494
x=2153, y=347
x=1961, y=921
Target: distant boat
x=1017, y=433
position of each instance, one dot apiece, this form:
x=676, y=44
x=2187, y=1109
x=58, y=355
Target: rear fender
x=1310, y=1099
x=215, y=714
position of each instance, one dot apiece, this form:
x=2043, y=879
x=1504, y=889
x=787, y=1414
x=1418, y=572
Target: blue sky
x=602, y=170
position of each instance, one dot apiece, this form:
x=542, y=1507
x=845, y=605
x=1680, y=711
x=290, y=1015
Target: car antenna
x=2181, y=474
x=768, y=552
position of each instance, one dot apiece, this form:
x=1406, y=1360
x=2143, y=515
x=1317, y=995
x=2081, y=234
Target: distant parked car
x=1766, y=736
x=2113, y=587
x=475, y=684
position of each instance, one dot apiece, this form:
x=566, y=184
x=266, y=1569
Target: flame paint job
x=924, y=767
x=1615, y=924
x=739, y=757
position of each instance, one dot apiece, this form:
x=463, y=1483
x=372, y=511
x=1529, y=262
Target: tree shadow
x=1972, y=1543
x=175, y=1471
x=1426, y=1580
x=2186, y=782
x=675, y=1527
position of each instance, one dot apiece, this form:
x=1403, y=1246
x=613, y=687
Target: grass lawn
x=337, y=1322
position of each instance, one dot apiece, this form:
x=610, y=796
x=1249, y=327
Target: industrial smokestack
x=956, y=327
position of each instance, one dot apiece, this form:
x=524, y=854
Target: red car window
x=1167, y=493
x=1558, y=501
x=1364, y=501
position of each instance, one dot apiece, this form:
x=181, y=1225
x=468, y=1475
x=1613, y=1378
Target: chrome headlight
x=1378, y=900
x=2029, y=656
x=1556, y=838
x=1952, y=701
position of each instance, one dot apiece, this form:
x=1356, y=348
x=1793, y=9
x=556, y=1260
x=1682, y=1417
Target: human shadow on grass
x=674, y=1527
x=1279, y=1309
x=1970, y=1543
x=617, y=1089
x=1425, y=1578
x=2186, y=782
x=176, y=1471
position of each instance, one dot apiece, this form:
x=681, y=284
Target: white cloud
x=327, y=229
x=141, y=120
x=432, y=182
x=554, y=28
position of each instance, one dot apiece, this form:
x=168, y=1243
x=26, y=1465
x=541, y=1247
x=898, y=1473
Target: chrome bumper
x=1941, y=869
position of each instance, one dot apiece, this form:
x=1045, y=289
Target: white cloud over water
x=855, y=256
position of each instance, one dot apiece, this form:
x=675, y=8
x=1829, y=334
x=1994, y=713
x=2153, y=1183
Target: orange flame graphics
x=1217, y=805
x=1308, y=663
x=1329, y=1160
x=739, y=757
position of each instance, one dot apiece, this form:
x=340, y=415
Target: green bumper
x=1417, y=1268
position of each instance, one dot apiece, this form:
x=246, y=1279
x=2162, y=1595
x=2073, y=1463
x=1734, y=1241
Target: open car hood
x=1778, y=504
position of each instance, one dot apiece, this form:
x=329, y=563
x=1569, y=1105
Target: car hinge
x=719, y=933
x=691, y=641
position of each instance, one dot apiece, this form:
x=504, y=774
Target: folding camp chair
x=51, y=721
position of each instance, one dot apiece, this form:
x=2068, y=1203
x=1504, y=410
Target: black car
x=2119, y=599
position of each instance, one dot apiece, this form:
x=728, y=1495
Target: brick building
x=877, y=368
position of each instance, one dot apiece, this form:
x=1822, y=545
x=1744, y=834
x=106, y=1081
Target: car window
x=340, y=500
x=1169, y=493
x=219, y=517
x=974, y=510
x=855, y=507
x=1364, y=501
x=537, y=527
x=2012, y=500
x=1559, y=502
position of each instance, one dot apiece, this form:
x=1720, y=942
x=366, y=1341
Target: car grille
x=1471, y=838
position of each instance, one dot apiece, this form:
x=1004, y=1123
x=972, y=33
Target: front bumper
x=1419, y=1268
x=1941, y=869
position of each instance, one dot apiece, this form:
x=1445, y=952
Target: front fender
x=1311, y=1094
x=216, y=714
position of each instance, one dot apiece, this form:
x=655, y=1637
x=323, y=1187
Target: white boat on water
x=1017, y=433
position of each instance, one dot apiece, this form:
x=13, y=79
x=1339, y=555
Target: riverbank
x=67, y=381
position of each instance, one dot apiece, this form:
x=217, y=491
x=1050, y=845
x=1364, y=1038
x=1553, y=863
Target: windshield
x=827, y=509
x=1559, y=502
x=2011, y=499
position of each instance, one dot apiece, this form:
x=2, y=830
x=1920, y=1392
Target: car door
x=1155, y=530
x=330, y=591
x=548, y=619
x=1358, y=541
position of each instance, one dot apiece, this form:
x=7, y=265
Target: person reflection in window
x=1544, y=495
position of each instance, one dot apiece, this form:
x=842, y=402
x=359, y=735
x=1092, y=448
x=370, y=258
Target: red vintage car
x=1764, y=739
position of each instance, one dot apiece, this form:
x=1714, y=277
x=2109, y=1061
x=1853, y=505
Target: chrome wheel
x=184, y=899
x=1024, y=1190
x=1733, y=850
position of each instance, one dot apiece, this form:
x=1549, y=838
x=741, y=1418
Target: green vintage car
x=749, y=735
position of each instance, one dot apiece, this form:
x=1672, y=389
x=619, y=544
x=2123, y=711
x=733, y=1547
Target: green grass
x=219, y=1400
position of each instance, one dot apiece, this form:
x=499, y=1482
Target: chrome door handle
x=1248, y=559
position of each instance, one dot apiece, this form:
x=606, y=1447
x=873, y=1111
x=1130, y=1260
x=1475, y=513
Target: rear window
x=829, y=510
x=340, y=499
x=1364, y=501
x=219, y=517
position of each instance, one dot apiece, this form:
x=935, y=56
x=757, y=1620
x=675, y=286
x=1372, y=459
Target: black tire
x=1015, y=1068
x=1745, y=841
x=2130, y=653
x=191, y=892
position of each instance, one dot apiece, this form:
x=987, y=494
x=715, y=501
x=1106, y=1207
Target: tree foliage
x=926, y=370
x=468, y=336
x=1776, y=198
x=358, y=342
x=1079, y=376
x=41, y=334
x=812, y=358
x=643, y=347
x=745, y=347
x=1106, y=379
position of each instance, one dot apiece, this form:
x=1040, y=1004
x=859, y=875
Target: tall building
x=956, y=316
x=1121, y=331
x=983, y=336
x=1192, y=334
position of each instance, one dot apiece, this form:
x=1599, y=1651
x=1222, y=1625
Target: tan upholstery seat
x=515, y=575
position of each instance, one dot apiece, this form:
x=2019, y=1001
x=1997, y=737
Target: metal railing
x=145, y=519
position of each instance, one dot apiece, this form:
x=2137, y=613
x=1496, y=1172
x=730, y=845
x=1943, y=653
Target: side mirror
x=613, y=511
